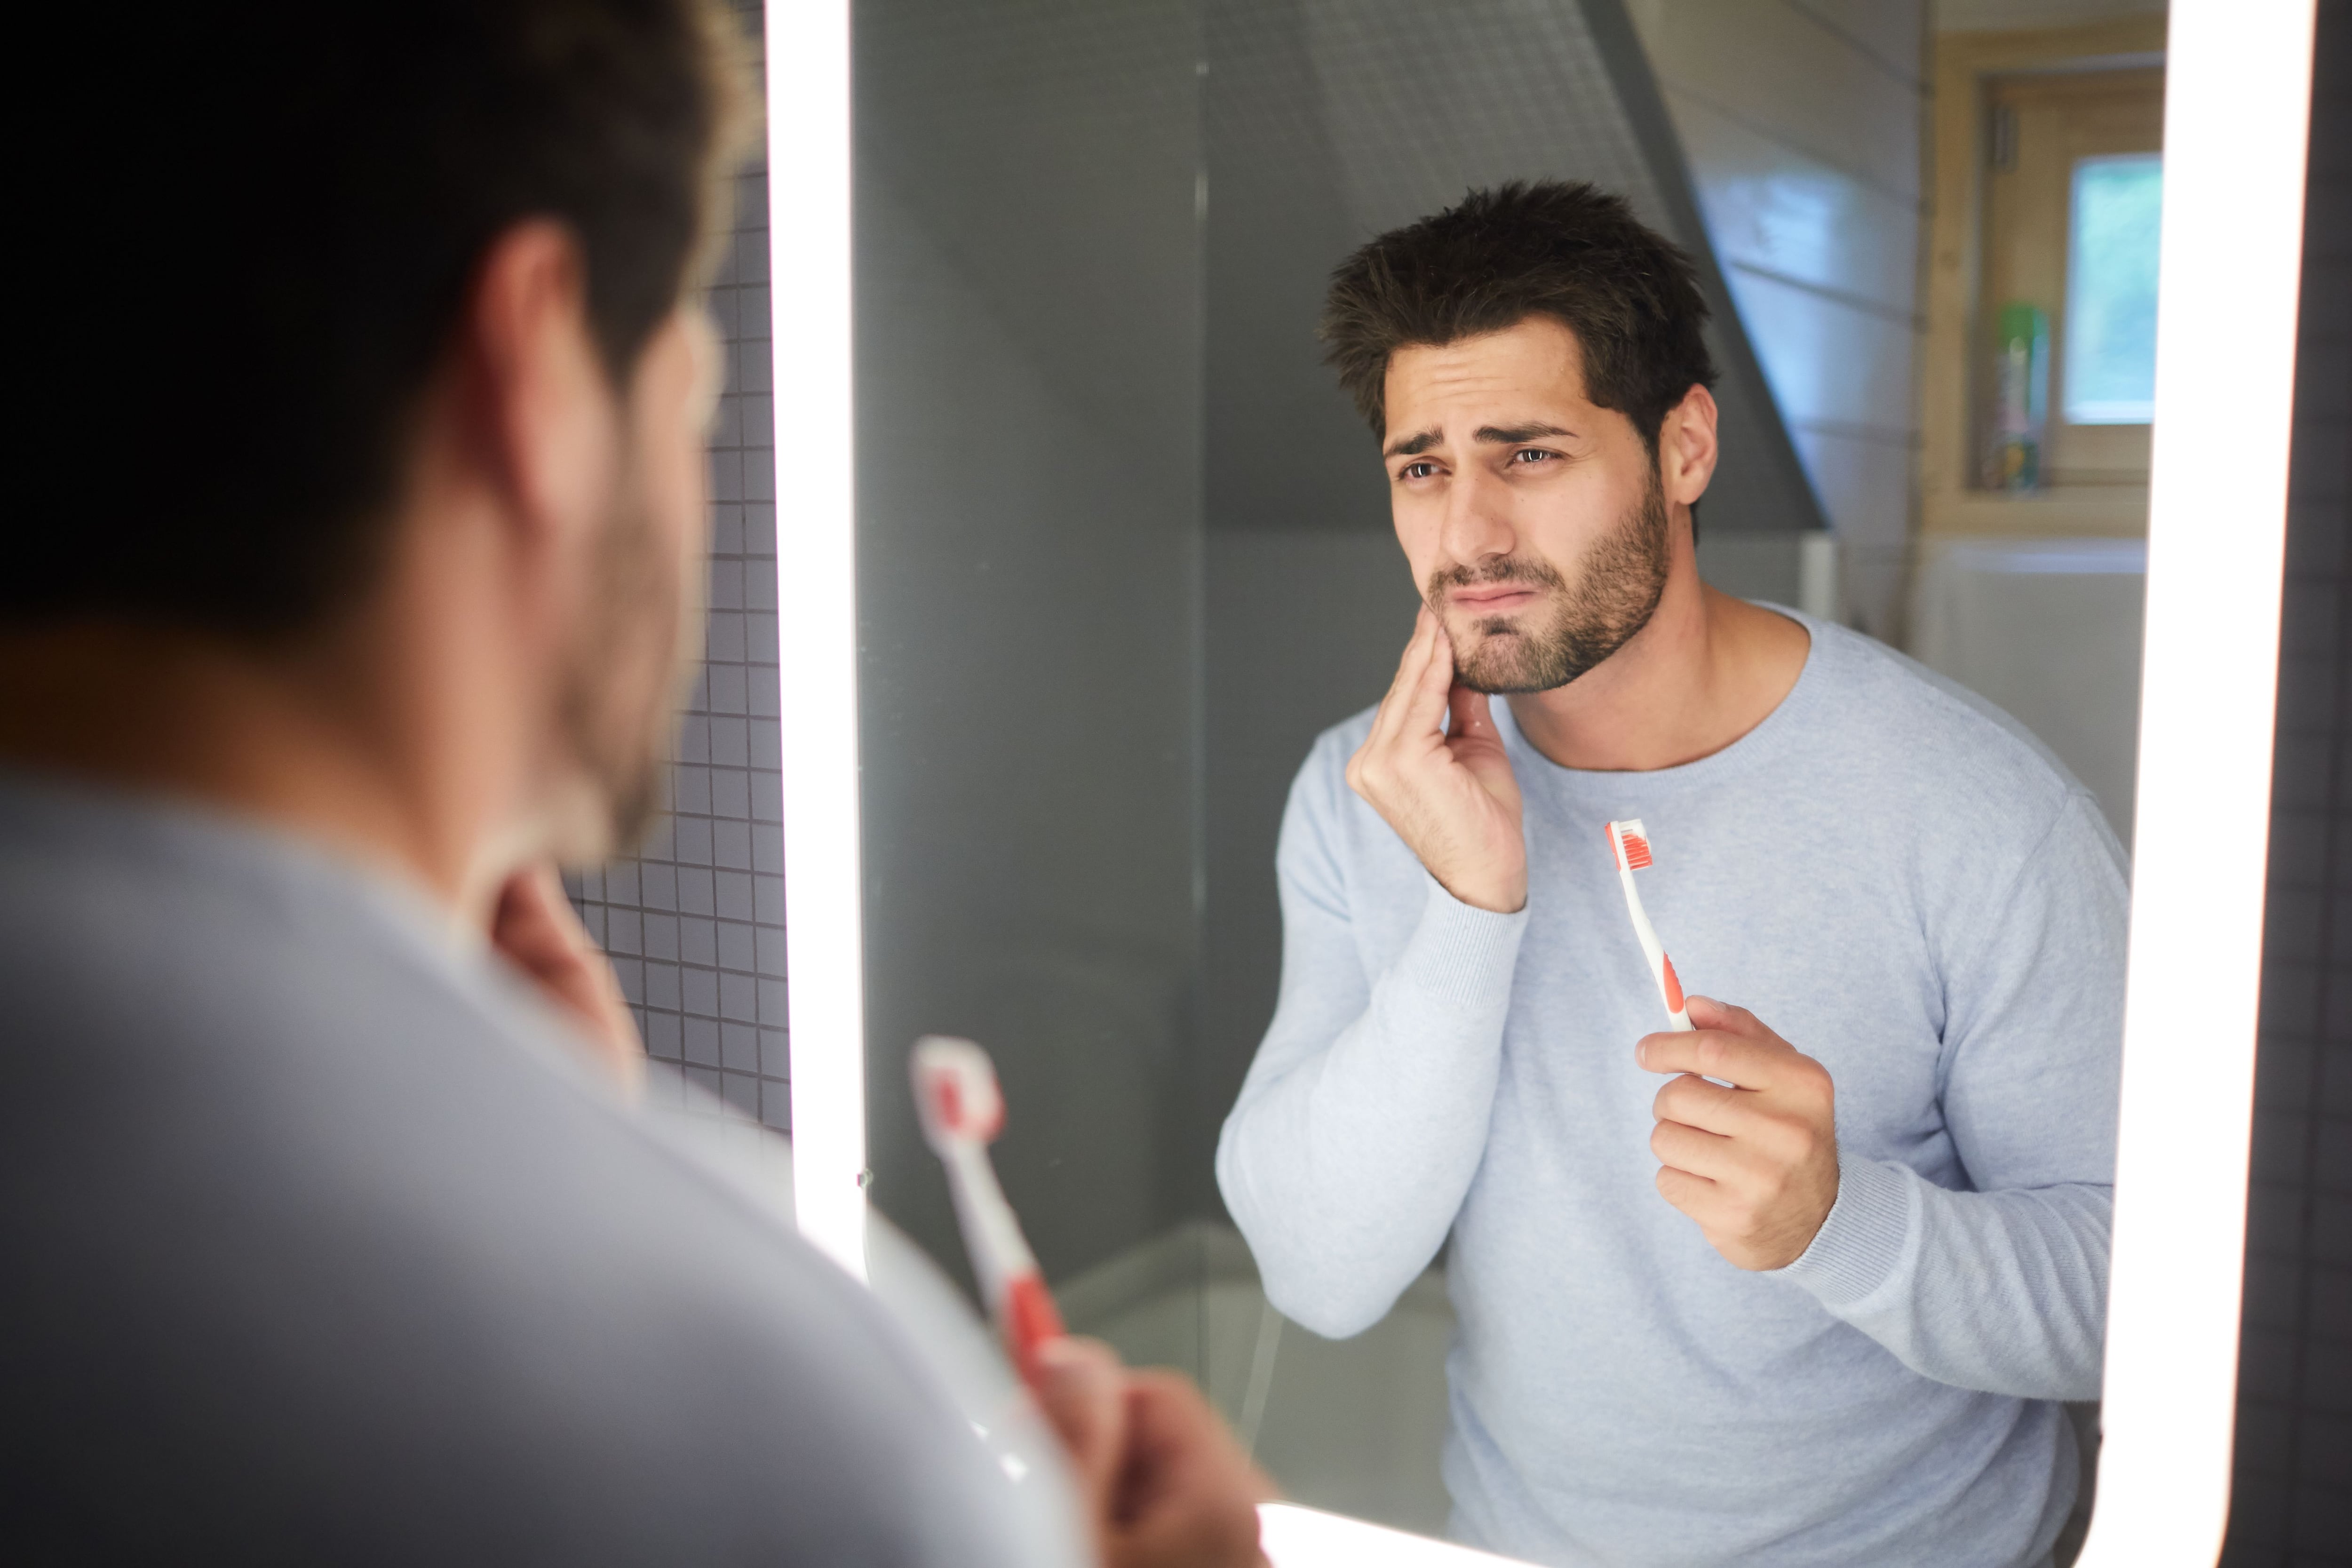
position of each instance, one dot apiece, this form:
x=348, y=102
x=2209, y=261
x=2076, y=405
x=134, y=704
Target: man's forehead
x=1526, y=371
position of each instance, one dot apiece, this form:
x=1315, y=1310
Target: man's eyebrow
x=1512, y=435
x=1494, y=435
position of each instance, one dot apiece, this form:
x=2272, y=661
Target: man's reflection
x=1820, y=1309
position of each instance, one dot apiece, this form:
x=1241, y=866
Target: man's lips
x=1492, y=599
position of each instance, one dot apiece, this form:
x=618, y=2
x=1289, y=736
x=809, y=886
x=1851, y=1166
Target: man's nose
x=1477, y=521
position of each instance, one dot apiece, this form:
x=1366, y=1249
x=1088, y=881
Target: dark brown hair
x=1571, y=251
x=279, y=215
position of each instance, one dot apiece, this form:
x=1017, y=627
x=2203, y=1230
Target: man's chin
x=1498, y=663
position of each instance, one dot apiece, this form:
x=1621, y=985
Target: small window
x=2072, y=177
x=2109, y=375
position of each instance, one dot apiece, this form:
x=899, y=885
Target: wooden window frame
x=1966, y=66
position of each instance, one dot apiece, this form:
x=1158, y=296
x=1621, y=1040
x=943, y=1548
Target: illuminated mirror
x=1121, y=551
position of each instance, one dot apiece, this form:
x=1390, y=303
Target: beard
x=624, y=680
x=1574, y=628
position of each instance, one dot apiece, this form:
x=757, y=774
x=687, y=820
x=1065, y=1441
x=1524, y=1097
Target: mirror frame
x=813, y=383
x=2237, y=106
x=2236, y=130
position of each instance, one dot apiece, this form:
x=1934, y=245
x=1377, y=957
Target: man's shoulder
x=1336, y=745
x=1891, y=718
x=1320, y=788
x=461, y=1285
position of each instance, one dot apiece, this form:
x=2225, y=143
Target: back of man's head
x=291, y=201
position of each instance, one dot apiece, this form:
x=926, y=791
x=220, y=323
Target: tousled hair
x=1571, y=251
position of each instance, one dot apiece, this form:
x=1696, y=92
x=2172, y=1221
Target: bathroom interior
x=1122, y=551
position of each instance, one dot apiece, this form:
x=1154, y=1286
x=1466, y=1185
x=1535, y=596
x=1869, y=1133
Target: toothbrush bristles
x=1635, y=842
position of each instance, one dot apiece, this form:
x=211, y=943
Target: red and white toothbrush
x=962, y=1110
x=1629, y=846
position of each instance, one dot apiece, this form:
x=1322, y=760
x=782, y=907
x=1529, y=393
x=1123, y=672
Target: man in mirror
x=334, y=1231
x=1806, y=1283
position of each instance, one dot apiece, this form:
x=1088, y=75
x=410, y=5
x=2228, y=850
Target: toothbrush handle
x=1009, y=1276
x=1661, y=968
x=1029, y=1319
x=1671, y=986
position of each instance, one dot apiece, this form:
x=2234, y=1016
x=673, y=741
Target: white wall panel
x=1777, y=69
x=1769, y=207
x=1801, y=122
x=1828, y=362
x=1892, y=32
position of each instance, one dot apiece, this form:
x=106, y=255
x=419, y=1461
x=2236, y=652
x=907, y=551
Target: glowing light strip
x=1294, y=1537
x=2237, y=107
x=809, y=216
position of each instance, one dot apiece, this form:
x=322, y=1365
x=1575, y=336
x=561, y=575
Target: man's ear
x=545, y=414
x=1686, y=448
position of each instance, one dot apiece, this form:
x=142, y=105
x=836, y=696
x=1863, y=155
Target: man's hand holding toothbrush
x=1753, y=1158
x=1164, y=1484
x=1448, y=791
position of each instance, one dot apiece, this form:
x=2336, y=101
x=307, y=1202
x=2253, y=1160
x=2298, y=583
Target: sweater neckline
x=1765, y=742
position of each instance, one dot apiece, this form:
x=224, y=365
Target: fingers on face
x=532, y=913
x=1414, y=704
x=1413, y=666
x=1417, y=651
x=1425, y=704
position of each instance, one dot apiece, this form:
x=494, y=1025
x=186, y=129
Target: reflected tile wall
x=695, y=922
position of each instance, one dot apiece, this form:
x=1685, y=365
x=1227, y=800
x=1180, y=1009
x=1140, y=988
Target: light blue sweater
x=1904, y=886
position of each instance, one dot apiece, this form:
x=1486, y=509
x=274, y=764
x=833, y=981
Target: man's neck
x=1707, y=669
x=308, y=745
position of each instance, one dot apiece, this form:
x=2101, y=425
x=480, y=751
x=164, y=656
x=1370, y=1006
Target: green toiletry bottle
x=2021, y=396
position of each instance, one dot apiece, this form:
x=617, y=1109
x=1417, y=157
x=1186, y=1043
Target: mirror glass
x=1126, y=549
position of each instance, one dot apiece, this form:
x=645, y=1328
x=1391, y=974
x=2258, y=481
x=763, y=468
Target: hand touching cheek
x=533, y=928
x=1756, y=1165
x=1447, y=789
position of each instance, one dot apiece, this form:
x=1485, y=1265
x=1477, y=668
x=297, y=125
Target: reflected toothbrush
x=962, y=1110
x=1629, y=846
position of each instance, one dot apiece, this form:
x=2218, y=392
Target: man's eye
x=1532, y=455
x=1417, y=470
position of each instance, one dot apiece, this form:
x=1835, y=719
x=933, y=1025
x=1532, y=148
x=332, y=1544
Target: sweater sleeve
x=1364, y=1115
x=2003, y=1286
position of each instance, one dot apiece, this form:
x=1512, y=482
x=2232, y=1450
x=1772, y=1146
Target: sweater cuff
x=1870, y=1232
x=1461, y=957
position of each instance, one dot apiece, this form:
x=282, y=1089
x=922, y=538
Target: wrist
x=1866, y=1238
x=1506, y=897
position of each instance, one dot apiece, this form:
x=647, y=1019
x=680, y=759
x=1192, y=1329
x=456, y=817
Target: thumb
x=1469, y=715
x=523, y=925
x=1706, y=1013
x=1082, y=1389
